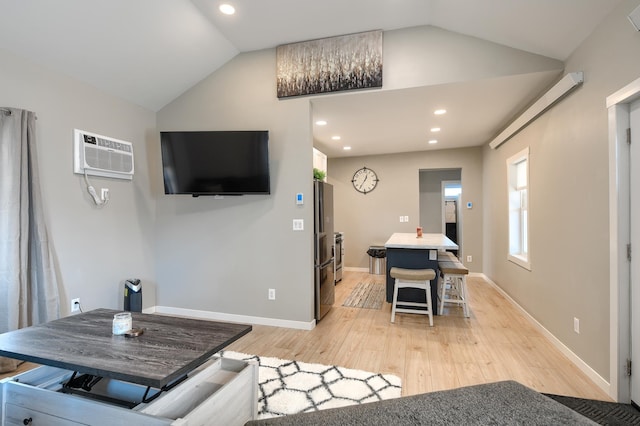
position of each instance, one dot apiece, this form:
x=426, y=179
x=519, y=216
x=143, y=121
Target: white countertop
x=427, y=241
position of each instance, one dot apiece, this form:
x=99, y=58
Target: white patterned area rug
x=289, y=387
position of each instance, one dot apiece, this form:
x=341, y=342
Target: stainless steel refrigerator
x=323, y=248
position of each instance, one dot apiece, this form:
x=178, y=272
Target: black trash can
x=377, y=260
x=133, y=295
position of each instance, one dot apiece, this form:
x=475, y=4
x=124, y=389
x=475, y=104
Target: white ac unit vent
x=99, y=155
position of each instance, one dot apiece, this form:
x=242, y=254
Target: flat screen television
x=215, y=162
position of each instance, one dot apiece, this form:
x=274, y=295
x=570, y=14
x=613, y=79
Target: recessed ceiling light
x=335, y=138
x=227, y=9
x=347, y=148
x=440, y=111
x=435, y=129
x=321, y=123
x=433, y=141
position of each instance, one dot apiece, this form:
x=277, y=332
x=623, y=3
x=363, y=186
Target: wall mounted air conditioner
x=99, y=155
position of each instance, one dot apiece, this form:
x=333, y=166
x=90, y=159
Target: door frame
x=443, y=201
x=618, y=106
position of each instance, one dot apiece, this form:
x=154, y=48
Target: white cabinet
x=320, y=161
x=222, y=389
x=19, y=416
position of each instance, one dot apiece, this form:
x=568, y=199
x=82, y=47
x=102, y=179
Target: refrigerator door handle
x=323, y=249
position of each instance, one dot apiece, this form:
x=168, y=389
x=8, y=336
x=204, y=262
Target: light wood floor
x=496, y=343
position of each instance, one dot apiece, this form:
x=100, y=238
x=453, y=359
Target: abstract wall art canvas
x=347, y=62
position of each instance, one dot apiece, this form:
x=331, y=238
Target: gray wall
x=211, y=255
x=426, y=55
x=568, y=199
x=431, y=197
x=96, y=249
x=371, y=219
x=222, y=255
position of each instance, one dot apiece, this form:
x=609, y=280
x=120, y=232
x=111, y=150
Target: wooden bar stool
x=447, y=255
x=444, y=256
x=453, y=284
x=412, y=278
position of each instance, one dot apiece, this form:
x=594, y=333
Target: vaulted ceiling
x=150, y=51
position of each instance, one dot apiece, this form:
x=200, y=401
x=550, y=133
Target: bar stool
x=412, y=278
x=444, y=256
x=453, y=285
x=447, y=255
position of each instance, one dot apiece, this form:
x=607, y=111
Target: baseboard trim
x=220, y=316
x=575, y=359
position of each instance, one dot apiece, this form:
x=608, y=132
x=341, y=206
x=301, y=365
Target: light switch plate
x=298, y=224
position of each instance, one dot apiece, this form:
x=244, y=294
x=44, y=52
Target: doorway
x=440, y=191
x=624, y=114
x=634, y=169
x=451, y=226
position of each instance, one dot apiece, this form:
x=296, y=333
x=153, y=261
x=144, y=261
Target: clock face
x=364, y=180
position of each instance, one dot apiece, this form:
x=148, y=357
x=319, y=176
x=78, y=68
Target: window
x=518, y=181
x=452, y=190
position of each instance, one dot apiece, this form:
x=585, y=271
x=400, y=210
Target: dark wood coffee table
x=169, y=348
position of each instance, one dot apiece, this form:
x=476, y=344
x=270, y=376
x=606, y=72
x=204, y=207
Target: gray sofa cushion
x=500, y=403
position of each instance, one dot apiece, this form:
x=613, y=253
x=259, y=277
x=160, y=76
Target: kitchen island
x=407, y=250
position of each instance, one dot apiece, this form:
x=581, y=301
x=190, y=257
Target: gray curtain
x=28, y=284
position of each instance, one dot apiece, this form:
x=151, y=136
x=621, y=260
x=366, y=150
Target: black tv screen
x=215, y=162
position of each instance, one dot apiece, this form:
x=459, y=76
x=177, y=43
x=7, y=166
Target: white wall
x=96, y=249
x=569, y=233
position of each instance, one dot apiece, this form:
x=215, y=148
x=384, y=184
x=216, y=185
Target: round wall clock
x=365, y=180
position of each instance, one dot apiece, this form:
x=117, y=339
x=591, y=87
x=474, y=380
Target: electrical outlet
x=401, y=219
x=576, y=325
x=406, y=218
x=469, y=258
x=272, y=294
x=75, y=305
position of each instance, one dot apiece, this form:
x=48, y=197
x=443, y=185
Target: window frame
x=523, y=257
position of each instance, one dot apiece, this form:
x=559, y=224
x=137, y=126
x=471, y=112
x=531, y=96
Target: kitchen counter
x=428, y=241
x=406, y=250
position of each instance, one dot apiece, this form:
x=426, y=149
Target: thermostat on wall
x=469, y=204
x=299, y=198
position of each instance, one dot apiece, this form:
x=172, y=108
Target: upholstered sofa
x=500, y=403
